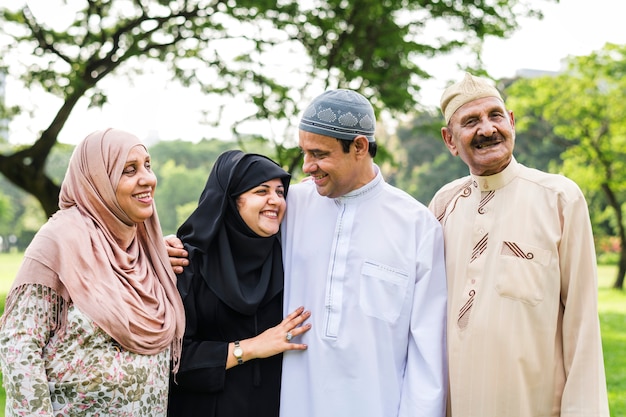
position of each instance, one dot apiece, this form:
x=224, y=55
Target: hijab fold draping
x=113, y=270
x=242, y=268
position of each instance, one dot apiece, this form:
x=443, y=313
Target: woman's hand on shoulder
x=178, y=255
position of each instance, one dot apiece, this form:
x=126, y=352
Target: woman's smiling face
x=135, y=190
x=263, y=207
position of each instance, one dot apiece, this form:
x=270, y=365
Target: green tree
x=190, y=155
x=225, y=48
x=177, y=186
x=586, y=105
x=7, y=218
x=22, y=216
x=424, y=164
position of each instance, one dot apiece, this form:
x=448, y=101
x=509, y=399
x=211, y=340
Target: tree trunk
x=26, y=168
x=617, y=208
x=28, y=174
x=619, y=280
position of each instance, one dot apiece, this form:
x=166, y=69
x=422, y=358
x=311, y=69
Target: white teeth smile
x=270, y=214
x=142, y=195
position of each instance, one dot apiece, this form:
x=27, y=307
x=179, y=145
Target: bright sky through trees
x=151, y=107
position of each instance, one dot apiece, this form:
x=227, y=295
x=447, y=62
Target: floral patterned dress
x=84, y=373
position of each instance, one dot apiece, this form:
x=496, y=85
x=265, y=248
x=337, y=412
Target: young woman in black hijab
x=233, y=294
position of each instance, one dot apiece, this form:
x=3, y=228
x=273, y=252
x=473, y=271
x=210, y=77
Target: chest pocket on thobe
x=530, y=268
x=382, y=290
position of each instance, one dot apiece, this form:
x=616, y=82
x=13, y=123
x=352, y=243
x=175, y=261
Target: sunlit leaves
x=585, y=105
x=278, y=54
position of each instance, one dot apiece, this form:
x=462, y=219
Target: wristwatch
x=238, y=352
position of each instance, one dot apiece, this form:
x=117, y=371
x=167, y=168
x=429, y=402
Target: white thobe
x=523, y=328
x=370, y=268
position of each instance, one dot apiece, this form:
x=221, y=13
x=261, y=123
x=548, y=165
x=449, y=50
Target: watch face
x=238, y=352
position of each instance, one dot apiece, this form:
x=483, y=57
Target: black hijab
x=242, y=268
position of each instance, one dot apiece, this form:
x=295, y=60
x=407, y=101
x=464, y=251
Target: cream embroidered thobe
x=523, y=328
x=369, y=266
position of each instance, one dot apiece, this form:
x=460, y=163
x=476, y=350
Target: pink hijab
x=128, y=290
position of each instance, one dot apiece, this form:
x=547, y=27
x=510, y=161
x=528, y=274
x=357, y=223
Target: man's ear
x=446, y=135
x=361, y=145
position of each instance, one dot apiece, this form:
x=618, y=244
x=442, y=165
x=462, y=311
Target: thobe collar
x=363, y=192
x=499, y=180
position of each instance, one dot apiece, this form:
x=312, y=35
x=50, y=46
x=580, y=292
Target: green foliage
x=238, y=48
x=608, y=258
x=177, y=186
x=423, y=161
x=22, y=216
x=7, y=213
x=585, y=106
x=189, y=155
x=184, y=211
x=612, y=311
x=57, y=162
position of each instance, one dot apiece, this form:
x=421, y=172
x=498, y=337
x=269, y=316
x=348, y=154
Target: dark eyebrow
x=268, y=186
x=318, y=150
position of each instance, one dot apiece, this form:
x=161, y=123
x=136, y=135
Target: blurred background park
x=194, y=78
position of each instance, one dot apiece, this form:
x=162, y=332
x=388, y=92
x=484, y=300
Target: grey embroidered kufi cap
x=341, y=114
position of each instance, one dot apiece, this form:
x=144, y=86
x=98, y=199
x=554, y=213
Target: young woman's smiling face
x=135, y=191
x=263, y=207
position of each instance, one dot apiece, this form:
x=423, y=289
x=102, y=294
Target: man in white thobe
x=367, y=260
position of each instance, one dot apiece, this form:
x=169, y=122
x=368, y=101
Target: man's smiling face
x=482, y=134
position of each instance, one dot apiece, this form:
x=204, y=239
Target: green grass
x=9, y=264
x=612, y=306
x=612, y=309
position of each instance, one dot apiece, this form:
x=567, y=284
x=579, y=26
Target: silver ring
x=289, y=336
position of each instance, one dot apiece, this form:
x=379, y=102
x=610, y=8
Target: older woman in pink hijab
x=94, y=322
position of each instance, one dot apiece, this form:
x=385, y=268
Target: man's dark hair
x=345, y=145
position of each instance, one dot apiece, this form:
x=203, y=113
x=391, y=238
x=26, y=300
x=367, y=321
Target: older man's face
x=482, y=134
